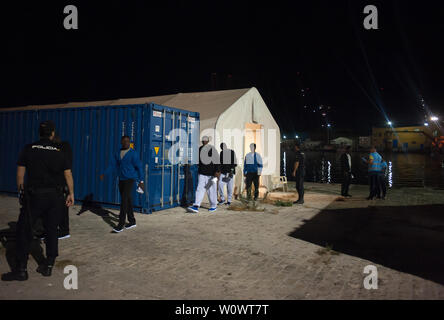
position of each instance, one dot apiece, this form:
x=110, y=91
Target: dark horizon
x=124, y=50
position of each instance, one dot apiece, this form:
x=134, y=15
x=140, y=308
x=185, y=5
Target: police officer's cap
x=46, y=128
x=47, y=125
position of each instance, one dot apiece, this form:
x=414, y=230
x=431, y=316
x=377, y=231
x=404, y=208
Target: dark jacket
x=229, y=165
x=345, y=166
x=208, y=160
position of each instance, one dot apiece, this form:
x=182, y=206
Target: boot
x=19, y=273
x=45, y=270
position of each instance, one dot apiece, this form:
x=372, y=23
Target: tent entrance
x=252, y=135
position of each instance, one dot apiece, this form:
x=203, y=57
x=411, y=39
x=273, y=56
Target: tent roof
x=209, y=104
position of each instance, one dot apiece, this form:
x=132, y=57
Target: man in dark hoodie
x=228, y=163
x=209, y=172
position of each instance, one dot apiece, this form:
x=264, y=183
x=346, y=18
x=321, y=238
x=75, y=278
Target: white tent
x=237, y=117
x=243, y=111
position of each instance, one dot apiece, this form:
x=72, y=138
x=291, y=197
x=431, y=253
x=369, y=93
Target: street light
x=434, y=118
x=389, y=123
x=426, y=124
x=328, y=133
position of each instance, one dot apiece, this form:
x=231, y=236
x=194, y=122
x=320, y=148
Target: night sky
x=134, y=49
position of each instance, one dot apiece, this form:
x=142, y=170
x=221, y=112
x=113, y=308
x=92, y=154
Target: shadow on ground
x=8, y=241
x=89, y=205
x=409, y=239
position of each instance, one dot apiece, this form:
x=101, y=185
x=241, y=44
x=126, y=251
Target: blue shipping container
x=166, y=139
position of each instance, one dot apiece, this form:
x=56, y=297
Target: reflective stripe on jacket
x=377, y=162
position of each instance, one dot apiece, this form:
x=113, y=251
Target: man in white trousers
x=209, y=172
x=228, y=163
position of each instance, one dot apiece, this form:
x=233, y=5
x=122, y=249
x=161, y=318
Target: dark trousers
x=126, y=188
x=252, y=177
x=47, y=207
x=300, y=185
x=374, y=184
x=345, y=183
x=64, y=221
x=382, y=185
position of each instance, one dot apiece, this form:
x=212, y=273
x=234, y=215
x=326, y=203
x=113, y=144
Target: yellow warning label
x=132, y=145
x=156, y=149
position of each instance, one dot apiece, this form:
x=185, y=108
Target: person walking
x=346, y=164
x=299, y=172
x=47, y=171
x=63, y=228
x=252, y=171
x=208, y=174
x=228, y=163
x=129, y=167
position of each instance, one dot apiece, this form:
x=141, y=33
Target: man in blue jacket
x=129, y=167
x=252, y=171
x=374, y=168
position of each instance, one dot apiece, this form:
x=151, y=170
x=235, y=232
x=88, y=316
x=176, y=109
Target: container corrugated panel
x=94, y=134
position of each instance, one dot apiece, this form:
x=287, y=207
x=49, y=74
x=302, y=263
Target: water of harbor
x=404, y=169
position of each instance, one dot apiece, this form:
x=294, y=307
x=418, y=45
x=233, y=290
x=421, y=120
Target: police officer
x=299, y=172
x=45, y=166
x=63, y=229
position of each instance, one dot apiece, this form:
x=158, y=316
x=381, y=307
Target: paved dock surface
x=315, y=251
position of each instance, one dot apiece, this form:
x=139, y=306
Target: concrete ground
x=315, y=251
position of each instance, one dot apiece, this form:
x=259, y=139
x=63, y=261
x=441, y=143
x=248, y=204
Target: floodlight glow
x=434, y=118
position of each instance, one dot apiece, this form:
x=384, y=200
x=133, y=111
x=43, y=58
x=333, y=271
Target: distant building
x=365, y=142
x=341, y=142
x=312, y=145
x=414, y=138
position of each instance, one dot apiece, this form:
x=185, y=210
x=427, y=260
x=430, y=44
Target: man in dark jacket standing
x=209, y=172
x=228, y=163
x=346, y=172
